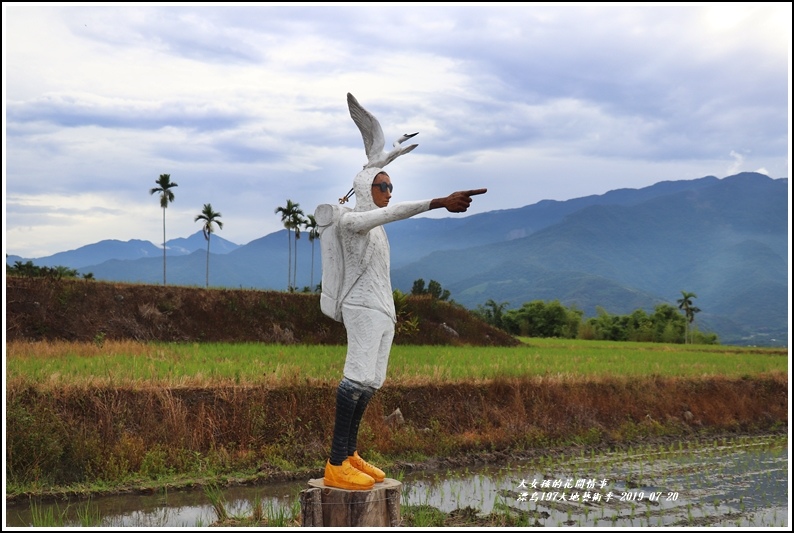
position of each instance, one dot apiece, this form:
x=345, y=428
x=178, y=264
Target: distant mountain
x=262, y=263
x=727, y=243
x=414, y=238
x=99, y=252
x=183, y=246
x=726, y=240
x=108, y=250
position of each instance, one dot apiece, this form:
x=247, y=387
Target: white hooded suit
x=368, y=309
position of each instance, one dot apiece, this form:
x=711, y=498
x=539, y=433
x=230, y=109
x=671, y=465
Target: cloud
x=244, y=105
x=736, y=167
x=73, y=110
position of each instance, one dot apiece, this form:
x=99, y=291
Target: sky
x=244, y=105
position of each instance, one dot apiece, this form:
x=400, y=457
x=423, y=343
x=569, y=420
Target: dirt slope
x=82, y=310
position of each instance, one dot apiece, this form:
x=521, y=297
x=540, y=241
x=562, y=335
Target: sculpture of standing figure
x=367, y=301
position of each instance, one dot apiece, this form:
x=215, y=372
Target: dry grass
x=68, y=436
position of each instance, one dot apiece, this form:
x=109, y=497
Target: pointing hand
x=459, y=202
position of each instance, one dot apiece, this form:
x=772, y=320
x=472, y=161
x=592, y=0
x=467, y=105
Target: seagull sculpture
x=372, y=134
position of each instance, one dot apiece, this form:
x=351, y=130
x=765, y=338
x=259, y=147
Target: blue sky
x=244, y=105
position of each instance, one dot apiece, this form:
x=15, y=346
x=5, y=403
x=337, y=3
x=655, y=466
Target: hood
x=362, y=185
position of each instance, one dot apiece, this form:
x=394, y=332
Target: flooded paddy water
x=738, y=482
x=743, y=482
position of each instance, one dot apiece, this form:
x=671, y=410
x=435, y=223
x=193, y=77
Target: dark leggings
x=351, y=401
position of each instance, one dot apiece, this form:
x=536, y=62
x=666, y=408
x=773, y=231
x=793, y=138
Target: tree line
x=29, y=270
x=552, y=319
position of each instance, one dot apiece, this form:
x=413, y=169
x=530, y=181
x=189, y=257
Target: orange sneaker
x=346, y=477
x=360, y=464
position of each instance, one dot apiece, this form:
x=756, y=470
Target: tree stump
x=323, y=506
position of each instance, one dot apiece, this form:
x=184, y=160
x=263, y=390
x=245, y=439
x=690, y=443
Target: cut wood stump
x=323, y=506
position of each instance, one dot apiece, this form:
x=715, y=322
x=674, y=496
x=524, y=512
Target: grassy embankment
x=117, y=415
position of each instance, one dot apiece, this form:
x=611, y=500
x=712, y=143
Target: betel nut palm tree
x=209, y=217
x=686, y=305
x=296, y=222
x=287, y=216
x=164, y=186
x=310, y=225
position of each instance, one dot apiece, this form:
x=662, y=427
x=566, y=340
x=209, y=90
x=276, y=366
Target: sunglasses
x=384, y=186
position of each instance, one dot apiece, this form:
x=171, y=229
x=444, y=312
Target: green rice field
x=126, y=363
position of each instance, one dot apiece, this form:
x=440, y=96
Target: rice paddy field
x=198, y=434
x=133, y=364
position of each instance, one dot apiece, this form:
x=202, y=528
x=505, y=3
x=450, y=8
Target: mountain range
x=726, y=240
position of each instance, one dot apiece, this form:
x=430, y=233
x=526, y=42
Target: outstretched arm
x=363, y=221
x=457, y=202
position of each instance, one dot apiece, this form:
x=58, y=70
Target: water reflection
x=744, y=483
x=171, y=509
x=741, y=485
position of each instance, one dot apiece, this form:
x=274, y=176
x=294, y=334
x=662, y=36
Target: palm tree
x=314, y=233
x=287, y=215
x=296, y=222
x=209, y=217
x=494, y=312
x=685, y=303
x=164, y=186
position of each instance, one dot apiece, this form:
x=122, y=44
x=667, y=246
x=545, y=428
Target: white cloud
x=736, y=166
x=245, y=106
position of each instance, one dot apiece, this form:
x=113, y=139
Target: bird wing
x=403, y=138
x=394, y=154
x=369, y=126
